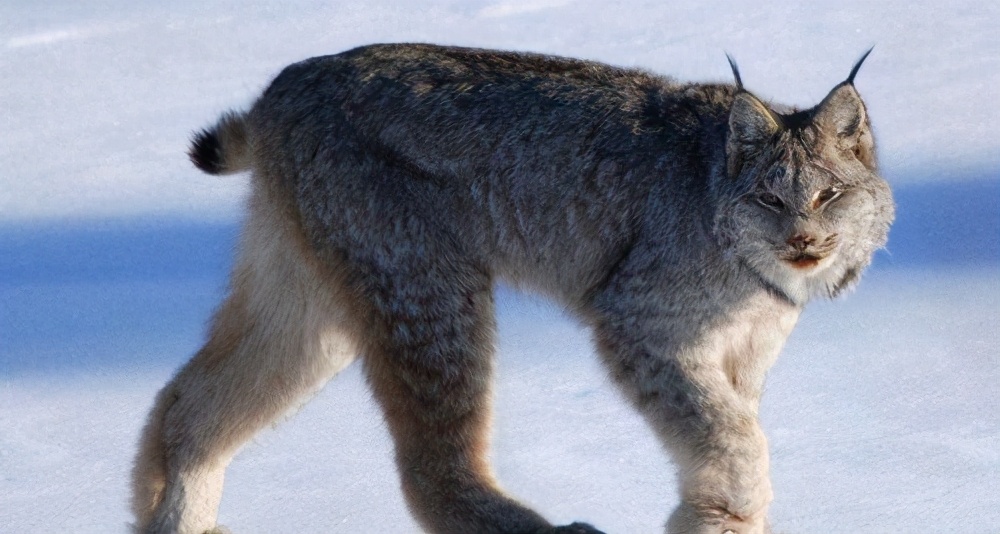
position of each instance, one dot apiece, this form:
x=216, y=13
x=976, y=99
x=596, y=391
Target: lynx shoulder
x=394, y=185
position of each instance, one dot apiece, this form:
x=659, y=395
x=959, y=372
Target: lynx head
x=801, y=202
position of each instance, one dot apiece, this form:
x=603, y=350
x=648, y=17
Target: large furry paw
x=688, y=520
x=575, y=528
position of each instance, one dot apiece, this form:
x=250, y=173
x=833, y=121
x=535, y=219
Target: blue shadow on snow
x=128, y=294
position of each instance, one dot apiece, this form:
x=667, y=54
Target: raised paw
x=575, y=528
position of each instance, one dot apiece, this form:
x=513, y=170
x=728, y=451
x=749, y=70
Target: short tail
x=223, y=148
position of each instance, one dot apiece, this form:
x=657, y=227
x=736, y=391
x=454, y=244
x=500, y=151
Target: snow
x=882, y=412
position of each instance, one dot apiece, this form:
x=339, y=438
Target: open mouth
x=803, y=261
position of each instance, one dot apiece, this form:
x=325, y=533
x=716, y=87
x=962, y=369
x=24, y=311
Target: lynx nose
x=801, y=241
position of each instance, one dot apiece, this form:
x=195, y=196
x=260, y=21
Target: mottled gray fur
x=394, y=185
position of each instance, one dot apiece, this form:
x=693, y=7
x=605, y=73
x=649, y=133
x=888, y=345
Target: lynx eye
x=827, y=195
x=770, y=201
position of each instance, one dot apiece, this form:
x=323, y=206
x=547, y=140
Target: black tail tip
x=206, y=152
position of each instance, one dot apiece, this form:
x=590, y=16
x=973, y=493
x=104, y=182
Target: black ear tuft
x=857, y=66
x=736, y=72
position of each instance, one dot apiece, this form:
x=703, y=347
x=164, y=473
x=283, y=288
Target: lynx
x=686, y=224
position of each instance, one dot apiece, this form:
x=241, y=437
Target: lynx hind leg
x=428, y=358
x=280, y=335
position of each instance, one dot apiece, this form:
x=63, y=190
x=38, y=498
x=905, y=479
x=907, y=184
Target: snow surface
x=882, y=411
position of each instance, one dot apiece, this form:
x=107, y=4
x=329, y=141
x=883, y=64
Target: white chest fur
x=747, y=343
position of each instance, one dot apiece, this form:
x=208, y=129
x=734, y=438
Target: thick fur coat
x=394, y=185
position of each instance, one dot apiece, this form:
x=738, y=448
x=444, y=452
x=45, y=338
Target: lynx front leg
x=429, y=363
x=689, y=379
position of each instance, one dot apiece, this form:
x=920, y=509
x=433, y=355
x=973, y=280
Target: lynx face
x=805, y=208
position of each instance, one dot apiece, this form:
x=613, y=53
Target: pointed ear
x=843, y=116
x=751, y=124
x=750, y=121
x=842, y=112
